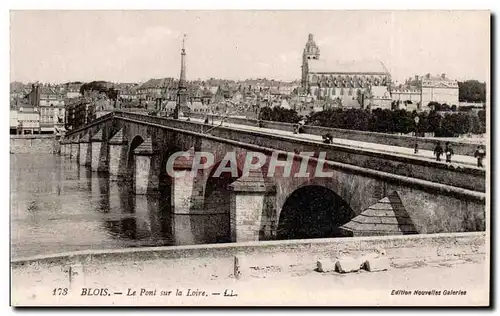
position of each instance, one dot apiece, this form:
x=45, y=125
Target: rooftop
x=352, y=66
x=158, y=83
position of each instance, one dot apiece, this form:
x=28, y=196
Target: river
x=58, y=206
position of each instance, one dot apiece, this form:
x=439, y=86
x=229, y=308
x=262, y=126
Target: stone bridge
x=364, y=192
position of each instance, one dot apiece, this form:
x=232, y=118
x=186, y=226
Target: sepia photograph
x=250, y=158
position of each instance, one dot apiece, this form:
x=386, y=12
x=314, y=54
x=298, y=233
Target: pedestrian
x=448, y=152
x=416, y=148
x=206, y=120
x=438, y=151
x=480, y=154
x=301, y=126
x=327, y=138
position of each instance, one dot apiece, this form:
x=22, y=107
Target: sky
x=134, y=46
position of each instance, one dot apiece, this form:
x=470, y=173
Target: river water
x=58, y=206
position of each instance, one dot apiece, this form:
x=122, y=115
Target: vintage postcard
x=250, y=158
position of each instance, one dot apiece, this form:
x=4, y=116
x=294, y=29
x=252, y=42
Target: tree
x=463, y=124
x=433, y=123
x=385, y=121
x=279, y=114
x=482, y=121
x=101, y=87
x=448, y=126
x=403, y=121
x=455, y=124
x=112, y=94
x=472, y=91
x=476, y=127
x=436, y=106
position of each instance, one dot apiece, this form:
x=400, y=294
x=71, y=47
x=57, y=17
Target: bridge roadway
x=403, y=151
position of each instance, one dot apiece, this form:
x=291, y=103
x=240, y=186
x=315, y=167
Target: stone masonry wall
x=20, y=144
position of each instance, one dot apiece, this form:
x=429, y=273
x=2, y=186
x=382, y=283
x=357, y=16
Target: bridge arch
x=313, y=211
x=217, y=196
x=136, y=141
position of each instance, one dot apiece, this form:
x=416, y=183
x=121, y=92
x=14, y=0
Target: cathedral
x=356, y=84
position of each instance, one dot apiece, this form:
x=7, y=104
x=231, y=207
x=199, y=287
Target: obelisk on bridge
x=182, y=88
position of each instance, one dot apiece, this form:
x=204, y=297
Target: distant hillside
x=17, y=86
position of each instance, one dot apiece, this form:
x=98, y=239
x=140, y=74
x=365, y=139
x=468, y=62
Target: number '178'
x=60, y=291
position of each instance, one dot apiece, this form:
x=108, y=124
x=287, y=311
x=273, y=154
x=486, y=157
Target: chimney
x=443, y=76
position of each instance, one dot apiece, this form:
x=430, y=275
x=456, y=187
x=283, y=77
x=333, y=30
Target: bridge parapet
x=97, y=121
x=425, y=143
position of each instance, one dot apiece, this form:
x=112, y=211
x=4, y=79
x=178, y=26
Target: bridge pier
x=253, y=209
x=187, y=190
x=182, y=190
x=99, y=160
x=68, y=148
x=71, y=149
x=117, y=156
x=85, y=151
x=63, y=148
x=147, y=168
x=75, y=149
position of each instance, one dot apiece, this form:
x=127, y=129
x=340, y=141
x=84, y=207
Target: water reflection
x=59, y=206
x=201, y=229
x=84, y=177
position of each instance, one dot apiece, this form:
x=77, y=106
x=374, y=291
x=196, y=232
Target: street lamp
x=417, y=120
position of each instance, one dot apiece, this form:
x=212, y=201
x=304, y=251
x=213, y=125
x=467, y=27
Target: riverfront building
x=27, y=120
x=425, y=89
x=48, y=104
x=439, y=89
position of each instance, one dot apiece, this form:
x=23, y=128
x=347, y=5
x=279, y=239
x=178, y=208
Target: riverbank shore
x=272, y=273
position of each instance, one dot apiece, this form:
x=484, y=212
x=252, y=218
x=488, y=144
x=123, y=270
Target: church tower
x=311, y=51
x=182, y=88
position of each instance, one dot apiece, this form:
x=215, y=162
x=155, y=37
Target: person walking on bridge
x=327, y=138
x=300, y=128
x=448, y=152
x=438, y=151
x=480, y=154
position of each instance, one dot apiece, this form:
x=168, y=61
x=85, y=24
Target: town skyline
x=134, y=46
